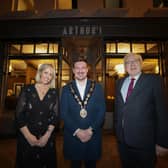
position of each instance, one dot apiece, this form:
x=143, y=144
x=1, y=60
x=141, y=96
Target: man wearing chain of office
x=82, y=110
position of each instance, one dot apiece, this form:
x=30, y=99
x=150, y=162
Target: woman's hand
x=31, y=139
x=44, y=139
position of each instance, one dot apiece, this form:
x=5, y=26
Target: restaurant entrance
x=104, y=57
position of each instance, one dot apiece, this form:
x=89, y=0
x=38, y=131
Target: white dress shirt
x=126, y=83
x=81, y=88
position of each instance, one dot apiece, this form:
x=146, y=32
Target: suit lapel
x=87, y=88
x=76, y=89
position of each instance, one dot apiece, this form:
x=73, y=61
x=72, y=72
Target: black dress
x=36, y=114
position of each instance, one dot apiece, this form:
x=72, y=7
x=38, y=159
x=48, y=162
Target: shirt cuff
x=91, y=129
x=77, y=130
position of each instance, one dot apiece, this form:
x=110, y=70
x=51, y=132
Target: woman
x=36, y=118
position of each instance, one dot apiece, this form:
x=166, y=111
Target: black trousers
x=87, y=163
x=136, y=158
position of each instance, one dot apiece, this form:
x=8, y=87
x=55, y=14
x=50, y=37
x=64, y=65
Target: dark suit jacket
x=142, y=121
x=74, y=149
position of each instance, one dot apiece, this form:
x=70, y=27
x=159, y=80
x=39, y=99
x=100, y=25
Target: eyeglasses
x=132, y=62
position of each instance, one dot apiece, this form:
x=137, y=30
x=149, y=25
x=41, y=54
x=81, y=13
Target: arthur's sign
x=82, y=30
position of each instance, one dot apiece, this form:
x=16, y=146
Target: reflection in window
x=138, y=48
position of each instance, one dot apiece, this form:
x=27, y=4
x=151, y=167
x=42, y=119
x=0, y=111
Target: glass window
x=53, y=48
x=14, y=49
x=99, y=71
x=20, y=73
x=114, y=66
x=152, y=48
x=65, y=4
x=115, y=70
x=123, y=47
x=41, y=48
x=151, y=66
x=28, y=48
x=65, y=73
x=110, y=47
x=23, y=5
x=138, y=48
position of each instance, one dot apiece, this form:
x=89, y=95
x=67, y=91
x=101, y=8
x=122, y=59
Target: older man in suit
x=82, y=110
x=141, y=117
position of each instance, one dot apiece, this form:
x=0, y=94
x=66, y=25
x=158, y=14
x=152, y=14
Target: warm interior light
x=10, y=68
x=138, y=48
x=110, y=48
x=119, y=68
x=157, y=69
x=64, y=4
x=41, y=48
x=123, y=47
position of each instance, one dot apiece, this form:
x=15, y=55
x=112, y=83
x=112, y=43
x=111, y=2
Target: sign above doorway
x=83, y=30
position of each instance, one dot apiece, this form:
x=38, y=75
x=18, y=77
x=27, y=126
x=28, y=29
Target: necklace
x=83, y=103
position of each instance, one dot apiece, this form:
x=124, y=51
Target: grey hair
x=41, y=68
x=138, y=56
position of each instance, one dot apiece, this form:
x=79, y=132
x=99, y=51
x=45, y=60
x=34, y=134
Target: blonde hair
x=138, y=56
x=41, y=68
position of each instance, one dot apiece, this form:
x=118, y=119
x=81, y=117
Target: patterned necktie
x=130, y=88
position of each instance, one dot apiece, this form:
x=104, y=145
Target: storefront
x=27, y=43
